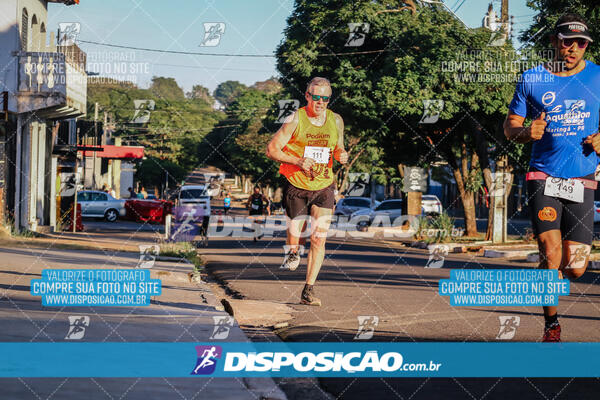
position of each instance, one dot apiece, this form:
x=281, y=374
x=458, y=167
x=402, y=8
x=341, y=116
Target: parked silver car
x=95, y=203
x=391, y=209
x=348, y=205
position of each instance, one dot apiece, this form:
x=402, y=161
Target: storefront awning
x=111, y=151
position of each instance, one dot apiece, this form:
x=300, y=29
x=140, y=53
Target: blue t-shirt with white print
x=572, y=105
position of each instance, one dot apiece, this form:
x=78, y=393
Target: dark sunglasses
x=581, y=43
x=316, y=97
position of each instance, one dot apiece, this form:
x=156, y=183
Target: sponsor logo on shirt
x=547, y=214
x=548, y=98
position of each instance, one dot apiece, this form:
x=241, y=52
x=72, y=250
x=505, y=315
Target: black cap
x=573, y=29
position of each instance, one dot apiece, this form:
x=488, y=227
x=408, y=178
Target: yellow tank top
x=307, y=134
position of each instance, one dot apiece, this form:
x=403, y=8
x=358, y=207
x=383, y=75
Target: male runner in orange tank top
x=305, y=146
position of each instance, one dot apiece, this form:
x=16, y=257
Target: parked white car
x=430, y=204
x=194, y=195
x=95, y=203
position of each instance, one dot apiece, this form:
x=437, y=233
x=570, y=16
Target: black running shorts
x=299, y=201
x=574, y=220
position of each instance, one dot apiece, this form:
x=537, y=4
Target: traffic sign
x=415, y=180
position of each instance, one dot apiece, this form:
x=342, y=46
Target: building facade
x=46, y=86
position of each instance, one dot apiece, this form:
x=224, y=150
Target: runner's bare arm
x=340, y=153
x=514, y=129
x=281, y=138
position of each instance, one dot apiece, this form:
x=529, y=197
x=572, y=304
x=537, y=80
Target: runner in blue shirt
x=226, y=203
x=562, y=99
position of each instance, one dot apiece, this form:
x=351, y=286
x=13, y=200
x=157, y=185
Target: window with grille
x=24, y=29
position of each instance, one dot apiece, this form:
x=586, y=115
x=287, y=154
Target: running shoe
x=552, y=333
x=291, y=262
x=308, y=297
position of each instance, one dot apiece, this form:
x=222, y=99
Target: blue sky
x=251, y=27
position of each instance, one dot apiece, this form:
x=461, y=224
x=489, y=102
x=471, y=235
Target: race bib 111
x=319, y=154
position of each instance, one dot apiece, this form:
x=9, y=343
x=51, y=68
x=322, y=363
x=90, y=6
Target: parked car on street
x=148, y=210
x=596, y=211
x=431, y=205
x=348, y=205
x=95, y=203
x=194, y=195
x=391, y=209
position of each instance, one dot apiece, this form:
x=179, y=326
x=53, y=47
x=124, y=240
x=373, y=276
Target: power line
x=227, y=55
x=459, y=6
x=175, y=51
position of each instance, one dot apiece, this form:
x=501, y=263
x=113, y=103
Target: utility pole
x=504, y=12
x=95, y=144
x=504, y=19
x=499, y=197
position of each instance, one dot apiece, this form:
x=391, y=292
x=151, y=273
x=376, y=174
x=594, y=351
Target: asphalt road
x=369, y=278
x=372, y=278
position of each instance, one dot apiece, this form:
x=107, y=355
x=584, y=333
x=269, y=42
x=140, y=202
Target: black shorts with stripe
x=574, y=220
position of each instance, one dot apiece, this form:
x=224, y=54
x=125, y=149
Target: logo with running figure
x=68, y=33
x=287, y=108
x=212, y=33
x=207, y=359
x=437, y=255
x=432, y=108
x=77, y=325
x=366, y=326
x=508, y=326
x=358, y=33
x=222, y=325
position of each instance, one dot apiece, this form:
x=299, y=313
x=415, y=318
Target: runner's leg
x=575, y=258
x=549, y=244
x=577, y=226
x=546, y=220
x=320, y=221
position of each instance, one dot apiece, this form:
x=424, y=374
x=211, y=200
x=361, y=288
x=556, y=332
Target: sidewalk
x=183, y=313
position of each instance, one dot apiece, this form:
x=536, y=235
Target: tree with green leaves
x=228, y=91
x=173, y=134
x=238, y=143
x=166, y=88
x=380, y=88
x=200, y=92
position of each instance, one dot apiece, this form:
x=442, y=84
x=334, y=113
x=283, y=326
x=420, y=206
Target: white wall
x=127, y=171
x=9, y=42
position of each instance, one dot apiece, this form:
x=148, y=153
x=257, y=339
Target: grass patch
x=182, y=250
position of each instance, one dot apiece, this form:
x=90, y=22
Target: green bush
x=435, y=229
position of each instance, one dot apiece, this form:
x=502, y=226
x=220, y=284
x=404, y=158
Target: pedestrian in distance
x=132, y=194
x=227, y=203
x=560, y=97
x=306, y=145
x=255, y=205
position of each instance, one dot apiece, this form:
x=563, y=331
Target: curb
x=180, y=259
x=594, y=265
x=490, y=253
x=452, y=247
x=535, y=257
